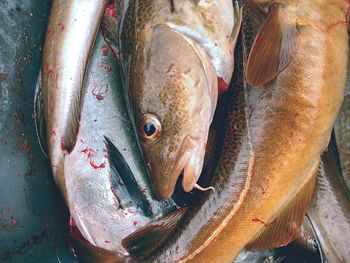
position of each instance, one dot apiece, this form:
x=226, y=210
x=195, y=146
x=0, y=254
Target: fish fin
x=145, y=240
x=286, y=227
x=273, y=48
x=123, y=180
x=88, y=253
x=39, y=121
x=238, y=15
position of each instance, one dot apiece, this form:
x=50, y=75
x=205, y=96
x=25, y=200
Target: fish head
x=173, y=91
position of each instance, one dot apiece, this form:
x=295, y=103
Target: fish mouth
x=190, y=161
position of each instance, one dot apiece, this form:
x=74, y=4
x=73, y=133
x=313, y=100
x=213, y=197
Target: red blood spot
x=256, y=219
x=135, y=223
x=72, y=222
x=25, y=146
x=107, y=241
x=115, y=197
x=50, y=32
x=111, y=10
x=100, y=94
x=161, y=225
x=222, y=85
x=116, y=54
x=61, y=26
x=89, y=152
x=105, y=50
x=13, y=220
x=105, y=66
x=62, y=146
x=97, y=166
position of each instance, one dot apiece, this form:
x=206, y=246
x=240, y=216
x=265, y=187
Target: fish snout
x=189, y=160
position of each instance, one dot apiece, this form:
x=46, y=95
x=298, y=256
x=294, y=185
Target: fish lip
x=188, y=147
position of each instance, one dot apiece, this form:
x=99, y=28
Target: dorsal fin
x=273, y=48
x=39, y=118
x=286, y=227
x=144, y=241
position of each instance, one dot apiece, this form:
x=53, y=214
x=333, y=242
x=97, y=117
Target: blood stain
x=61, y=26
x=97, y=166
x=25, y=146
x=222, y=85
x=105, y=50
x=111, y=10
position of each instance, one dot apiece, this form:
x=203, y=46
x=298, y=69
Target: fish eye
x=149, y=128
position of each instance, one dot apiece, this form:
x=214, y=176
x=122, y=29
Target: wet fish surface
x=173, y=96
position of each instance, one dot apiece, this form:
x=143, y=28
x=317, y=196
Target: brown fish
x=266, y=173
x=173, y=53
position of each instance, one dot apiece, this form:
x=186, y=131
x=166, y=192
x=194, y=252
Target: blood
x=222, y=85
x=99, y=94
x=74, y=230
x=107, y=241
x=62, y=146
x=61, y=26
x=89, y=152
x=13, y=220
x=111, y=10
x=25, y=146
x=50, y=32
x=105, y=50
x=135, y=223
x=97, y=166
x=256, y=219
x=105, y=66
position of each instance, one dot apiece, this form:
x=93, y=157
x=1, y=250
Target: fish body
x=276, y=132
x=329, y=210
x=101, y=174
x=69, y=40
x=172, y=54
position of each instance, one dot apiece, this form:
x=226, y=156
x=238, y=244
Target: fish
x=278, y=125
x=66, y=52
x=342, y=135
x=101, y=175
x=172, y=97
x=329, y=210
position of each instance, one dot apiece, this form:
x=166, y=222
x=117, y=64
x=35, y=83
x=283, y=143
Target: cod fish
x=278, y=126
x=175, y=56
x=92, y=146
x=329, y=210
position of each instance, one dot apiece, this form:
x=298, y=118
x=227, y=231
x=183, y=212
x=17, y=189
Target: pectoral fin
x=273, y=48
x=88, y=253
x=286, y=227
x=144, y=241
x=39, y=121
x=123, y=180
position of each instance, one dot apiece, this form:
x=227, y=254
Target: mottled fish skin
x=329, y=210
x=230, y=180
x=271, y=162
x=178, y=89
x=69, y=40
